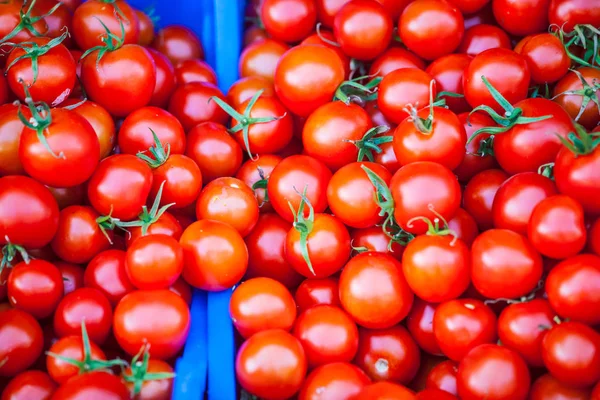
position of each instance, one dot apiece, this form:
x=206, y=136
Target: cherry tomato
x=11, y=17
x=190, y=104
x=136, y=132
x=99, y=385
x=375, y=239
x=401, y=88
x=594, y=237
x=10, y=136
x=30, y=385
x=72, y=276
x=522, y=18
x=165, y=79
x=374, y=291
x=443, y=377
x=288, y=20
x=547, y=387
x=106, y=272
x=182, y=180
x=153, y=388
x=244, y=88
x=100, y=120
x=21, y=341
x=71, y=347
x=327, y=39
x=420, y=326
x=146, y=28
x=448, y=74
x=392, y=59
x=334, y=381
x=573, y=102
x=314, y=292
x=479, y=194
x=178, y=43
x=546, y=56
x=384, y=391
x=194, y=71
x=253, y=171
x=480, y=38
x=464, y=226
x=568, y=13
x=469, y=6
x=260, y=59
x=154, y=262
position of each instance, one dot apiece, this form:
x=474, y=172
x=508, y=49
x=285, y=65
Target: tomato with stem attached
x=401, y=88
x=521, y=18
x=576, y=92
x=21, y=341
x=149, y=378
x=107, y=273
x=376, y=239
x=448, y=74
x=256, y=174
x=464, y=226
x=137, y=131
x=479, y=151
x=243, y=89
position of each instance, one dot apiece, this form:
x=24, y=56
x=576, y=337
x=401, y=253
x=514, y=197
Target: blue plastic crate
x=207, y=364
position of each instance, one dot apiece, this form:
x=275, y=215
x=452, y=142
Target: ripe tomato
x=363, y=29
x=568, y=13
x=435, y=394
x=72, y=276
x=306, y=77
x=260, y=304
x=66, y=197
x=191, y=104
x=30, y=384
x=268, y=357
x=420, y=326
x=154, y=262
x=107, y=273
x=401, y=88
x=570, y=93
x=469, y=6
x=327, y=39
x=180, y=179
x=71, y=347
x=461, y=325
x=464, y=226
x=479, y=194
x=448, y=74
x=194, y=71
x=165, y=79
x=159, y=318
x=100, y=120
x=334, y=381
x=11, y=17
x=243, y=89
x=178, y=43
x=261, y=58
x=438, y=189
x=492, y=372
x=21, y=341
x=571, y=352
x=516, y=199
x=522, y=18
x=594, y=237
x=146, y=28
x=374, y=291
x=546, y=56
x=327, y=334
x=253, y=171
x=375, y=239
x=313, y=292
x=547, y=387
x=392, y=59
x=99, y=385
x=506, y=71
x=136, y=133
x=443, y=377
x=480, y=38
x=572, y=288
x=35, y=287
x=288, y=21
x=10, y=136
x=385, y=390
x=215, y=255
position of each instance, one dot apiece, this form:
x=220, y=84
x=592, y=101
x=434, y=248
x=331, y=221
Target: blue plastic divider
x=207, y=364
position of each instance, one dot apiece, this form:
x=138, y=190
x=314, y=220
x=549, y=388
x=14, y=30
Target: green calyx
x=352, y=91
x=371, y=142
x=139, y=372
x=587, y=92
x=304, y=225
x=512, y=115
x=244, y=121
x=9, y=254
x=27, y=21
x=581, y=143
x=111, y=41
x=423, y=125
x=160, y=155
x=147, y=218
x=547, y=170
x=434, y=228
x=261, y=184
x=33, y=51
x=582, y=36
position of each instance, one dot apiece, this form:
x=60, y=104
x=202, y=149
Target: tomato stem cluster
x=27, y=22
x=423, y=125
x=147, y=218
x=354, y=91
x=111, y=42
x=588, y=92
x=304, y=225
x=139, y=371
x=580, y=142
x=582, y=36
x=9, y=253
x=158, y=152
x=371, y=142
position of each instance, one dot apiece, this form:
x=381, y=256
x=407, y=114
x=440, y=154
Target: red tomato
x=572, y=288
x=327, y=9
x=570, y=94
x=288, y=20
x=480, y=38
x=35, y=287
x=435, y=394
x=10, y=136
x=136, y=133
x=448, y=74
x=568, y=13
x=431, y=28
x=334, y=381
x=180, y=179
x=271, y=356
x=21, y=341
x=146, y=28
x=154, y=262
x=443, y=377
x=374, y=291
x=547, y=387
x=392, y=59
x=253, y=171
x=546, y=56
x=178, y=43
x=492, y=372
x=191, y=104
x=98, y=385
x=72, y=276
x=215, y=255
x=165, y=79
x=464, y=226
x=260, y=304
x=100, y=120
x=11, y=18
x=243, y=89
x=469, y=6
x=261, y=58
x=594, y=237
x=73, y=348
x=107, y=273
x=479, y=194
x=522, y=18
x=327, y=39
x=183, y=290
x=327, y=334
x=30, y=385
x=571, y=352
x=375, y=239
x=66, y=197
x=461, y=325
x=314, y=292
x=159, y=318
x=194, y=71
x=484, y=16
x=300, y=95
x=420, y=326
x=385, y=391
x=401, y=88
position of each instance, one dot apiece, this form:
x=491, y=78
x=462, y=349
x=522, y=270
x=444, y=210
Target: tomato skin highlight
x=28, y=385
x=107, y=273
x=288, y=20
x=21, y=341
x=154, y=262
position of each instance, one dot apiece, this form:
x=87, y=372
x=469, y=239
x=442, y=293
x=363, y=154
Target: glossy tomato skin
x=306, y=77
x=70, y=347
x=326, y=38
x=443, y=377
x=548, y=387
x=261, y=58
x=162, y=319
x=572, y=288
x=506, y=70
x=395, y=58
x=100, y=120
x=35, y=287
x=288, y=21
x=375, y=239
x=594, y=237
x=260, y=304
x=215, y=255
x=420, y=326
x=182, y=181
x=522, y=18
x=385, y=391
x=493, y=372
x=10, y=136
x=135, y=134
x=479, y=194
x=375, y=306
x=190, y=104
x=314, y=292
x=154, y=262
x=120, y=92
x=120, y=186
x=72, y=276
x=431, y=29
x=438, y=188
x=158, y=388
x=571, y=354
x=250, y=172
x=165, y=79
x=546, y=57
x=194, y=71
x=590, y=117
x=107, y=273
x=28, y=213
x=268, y=357
x=178, y=43
x=98, y=385
x=448, y=74
x=21, y=341
x=461, y=325
x=480, y=38
x=336, y=381
x=402, y=87
x=30, y=385
x=567, y=13
x=464, y=226
x=244, y=88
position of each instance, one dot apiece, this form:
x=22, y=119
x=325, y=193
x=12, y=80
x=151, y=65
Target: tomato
x=363, y=29
x=571, y=354
x=435, y=394
x=392, y=59
x=146, y=26
x=194, y=71
x=28, y=212
x=385, y=391
x=183, y=290
x=243, y=89
x=546, y=56
x=461, y=325
x=430, y=28
x=420, y=326
x=480, y=38
x=448, y=74
x=290, y=177
x=35, y=287
x=154, y=262
x=374, y=291
x=469, y=6
x=327, y=39
x=190, y=104
x=215, y=255
x=288, y=20
x=120, y=186
x=522, y=18
x=334, y=381
x=253, y=34
x=10, y=136
x=70, y=154
x=21, y=341
x=506, y=71
x=99, y=385
x=516, y=199
x=260, y=304
x=180, y=179
x=261, y=58
x=568, y=13
x=314, y=292
x=259, y=170
x=55, y=78
x=572, y=288
x=159, y=318
x=107, y=273
x=89, y=18
x=464, y=226
x=479, y=194
x=375, y=239
x=100, y=120
x=594, y=237
x=327, y=9
x=71, y=347
x=79, y=236
x=485, y=15
x=547, y=387
x=178, y=43
x=570, y=93
x=66, y=197
x=11, y=17
x=492, y=372
x=271, y=364
x=401, y=88
x=443, y=377
x=439, y=194
x=307, y=77
x=72, y=276
x=30, y=385
x=136, y=132
x=165, y=79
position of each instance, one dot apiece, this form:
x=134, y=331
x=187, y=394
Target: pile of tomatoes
x=404, y=196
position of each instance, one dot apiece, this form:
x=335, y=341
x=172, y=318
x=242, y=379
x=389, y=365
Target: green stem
x=27, y=22
x=158, y=152
x=304, y=225
x=147, y=218
x=371, y=142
